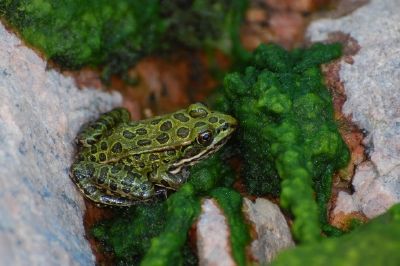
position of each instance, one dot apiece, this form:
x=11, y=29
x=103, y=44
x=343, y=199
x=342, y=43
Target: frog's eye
x=205, y=138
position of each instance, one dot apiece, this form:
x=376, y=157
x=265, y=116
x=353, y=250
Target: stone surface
x=212, y=231
x=372, y=86
x=40, y=114
x=273, y=234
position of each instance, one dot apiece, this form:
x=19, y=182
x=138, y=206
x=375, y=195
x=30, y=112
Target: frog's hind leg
x=110, y=184
x=92, y=132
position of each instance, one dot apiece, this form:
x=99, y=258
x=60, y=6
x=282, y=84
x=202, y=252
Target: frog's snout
x=230, y=123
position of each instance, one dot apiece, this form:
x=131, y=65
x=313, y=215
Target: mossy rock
x=375, y=243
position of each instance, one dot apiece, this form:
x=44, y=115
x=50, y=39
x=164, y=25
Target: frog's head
x=210, y=130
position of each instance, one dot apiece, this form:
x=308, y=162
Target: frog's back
x=157, y=134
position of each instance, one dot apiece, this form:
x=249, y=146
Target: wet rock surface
x=213, y=242
x=371, y=84
x=273, y=234
x=40, y=114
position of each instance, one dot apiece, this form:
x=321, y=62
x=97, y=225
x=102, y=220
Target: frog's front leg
x=92, y=132
x=168, y=180
x=111, y=184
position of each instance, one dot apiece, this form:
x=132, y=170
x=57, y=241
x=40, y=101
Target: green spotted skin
x=121, y=162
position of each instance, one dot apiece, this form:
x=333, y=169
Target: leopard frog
x=121, y=161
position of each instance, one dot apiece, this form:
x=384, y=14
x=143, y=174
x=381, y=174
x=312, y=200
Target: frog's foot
x=92, y=132
x=161, y=192
x=110, y=184
x=174, y=181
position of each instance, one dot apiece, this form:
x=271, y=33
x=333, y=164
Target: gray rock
x=372, y=85
x=212, y=231
x=273, y=234
x=40, y=114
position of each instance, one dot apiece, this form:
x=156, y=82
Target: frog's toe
x=162, y=192
x=116, y=201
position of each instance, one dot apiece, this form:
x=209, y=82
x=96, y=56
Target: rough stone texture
x=372, y=85
x=40, y=114
x=273, y=233
x=213, y=243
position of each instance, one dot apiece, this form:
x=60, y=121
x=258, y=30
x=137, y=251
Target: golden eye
x=205, y=138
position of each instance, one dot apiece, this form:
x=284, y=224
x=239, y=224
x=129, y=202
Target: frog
x=121, y=162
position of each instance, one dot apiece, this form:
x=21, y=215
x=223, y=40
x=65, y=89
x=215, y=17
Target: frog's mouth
x=176, y=167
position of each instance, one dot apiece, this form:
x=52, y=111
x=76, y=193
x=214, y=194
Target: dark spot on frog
x=190, y=152
x=102, y=157
x=128, y=168
x=156, y=121
x=92, y=158
x=153, y=157
x=141, y=131
x=144, y=142
x=183, y=132
x=115, y=169
x=142, y=164
x=162, y=138
x=199, y=124
x=181, y=117
x=116, y=148
x=90, y=170
x=126, y=190
x=171, y=152
x=102, y=175
x=221, y=121
x=213, y=119
x=103, y=146
x=128, y=134
x=93, y=149
x=167, y=125
x=137, y=157
x=113, y=186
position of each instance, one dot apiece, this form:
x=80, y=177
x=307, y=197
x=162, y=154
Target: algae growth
x=156, y=234
x=117, y=33
x=288, y=136
x=375, y=243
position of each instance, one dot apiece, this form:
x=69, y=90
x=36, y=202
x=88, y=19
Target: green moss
x=288, y=137
x=128, y=236
x=375, y=243
x=183, y=207
x=231, y=202
x=156, y=233
x=117, y=33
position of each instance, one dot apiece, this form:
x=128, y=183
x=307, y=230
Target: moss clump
x=182, y=208
x=375, y=243
x=288, y=136
x=117, y=33
x=156, y=233
x=128, y=236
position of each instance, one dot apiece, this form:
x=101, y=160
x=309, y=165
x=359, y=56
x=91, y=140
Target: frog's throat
x=177, y=167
